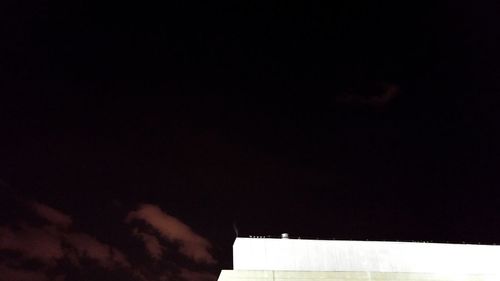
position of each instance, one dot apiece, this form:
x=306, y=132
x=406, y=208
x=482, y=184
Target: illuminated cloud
x=388, y=93
x=197, y=276
x=151, y=243
x=52, y=215
x=87, y=246
x=43, y=244
x=56, y=247
x=191, y=244
x=15, y=274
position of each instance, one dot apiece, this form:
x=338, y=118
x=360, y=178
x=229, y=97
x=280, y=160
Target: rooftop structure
x=306, y=259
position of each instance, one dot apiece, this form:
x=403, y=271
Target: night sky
x=137, y=139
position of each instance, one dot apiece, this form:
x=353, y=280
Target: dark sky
x=346, y=120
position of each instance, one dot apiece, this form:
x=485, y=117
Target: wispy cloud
x=191, y=244
x=43, y=244
x=52, y=215
x=61, y=253
x=152, y=244
x=49, y=244
x=87, y=246
x=386, y=93
x=16, y=274
x=197, y=276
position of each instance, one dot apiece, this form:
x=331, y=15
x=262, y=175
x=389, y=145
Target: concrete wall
x=241, y=275
x=364, y=256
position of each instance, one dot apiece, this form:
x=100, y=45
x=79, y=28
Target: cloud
x=15, y=274
x=197, y=276
x=43, y=244
x=55, y=251
x=152, y=244
x=50, y=243
x=87, y=246
x=191, y=244
x=387, y=92
x=52, y=215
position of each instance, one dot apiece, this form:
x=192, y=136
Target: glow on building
x=269, y=259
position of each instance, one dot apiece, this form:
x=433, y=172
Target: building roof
x=364, y=256
x=262, y=275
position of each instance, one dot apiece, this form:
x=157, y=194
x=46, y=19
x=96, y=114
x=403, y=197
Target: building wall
x=261, y=275
x=364, y=256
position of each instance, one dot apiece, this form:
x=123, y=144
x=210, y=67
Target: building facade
x=270, y=259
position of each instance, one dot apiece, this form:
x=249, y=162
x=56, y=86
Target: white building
x=270, y=259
